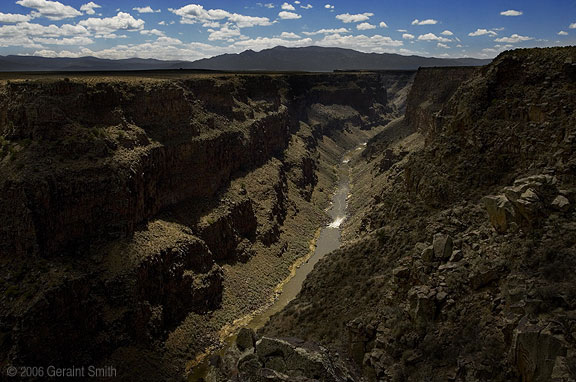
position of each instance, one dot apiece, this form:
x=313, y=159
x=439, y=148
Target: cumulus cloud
x=154, y=32
x=89, y=8
x=266, y=5
x=327, y=31
x=425, y=22
x=511, y=12
x=562, y=33
x=109, y=25
x=194, y=13
x=288, y=7
x=515, y=38
x=167, y=48
x=224, y=33
x=572, y=26
x=146, y=9
x=447, y=33
x=285, y=15
x=365, y=26
x=383, y=24
x=482, y=32
x=307, y=6
x=11, y=18
x=289, y=35
x=52, y=10
x=432, y=37
x=408, y=36
x=270, y=42
x=348, y=18
x=64, y=41
x=441, y=45
x=31, y=35
x=329, y=6
x=376, y=43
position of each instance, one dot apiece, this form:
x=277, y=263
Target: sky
x=184, y=30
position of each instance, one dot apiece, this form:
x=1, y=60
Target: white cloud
x=562, y=33
x=425, y=22
x=572, y=26
x=348, y=18
x=27, y=29
x=224, y=33
x=284, y=15
x=365, y=26
x=401, y=30
x=194, y=13
x=147, y=9
x=329, y=6
x=408, y=36
x=511, y=12
x=383, y=24
x=270, y=42
x=515, y=38
x=154, y=32
x=108, y=25
x=432, y=37
x=64, y=41
x=307, y=6
x=376, y=43
x=52, y=10
x=88, y=8
x=288, y=7
x=168, y=40
x=289, y=35
x=267, y=5
x=327, y=31
x=447, y=33
x=441, y=45
x=11, y=18
x=482, y=32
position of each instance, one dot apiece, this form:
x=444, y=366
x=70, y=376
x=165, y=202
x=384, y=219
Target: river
x=327, y=241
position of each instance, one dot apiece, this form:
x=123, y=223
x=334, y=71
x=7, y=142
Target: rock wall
x=432, y=88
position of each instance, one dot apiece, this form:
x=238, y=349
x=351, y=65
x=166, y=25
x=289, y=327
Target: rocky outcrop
x=274, y=359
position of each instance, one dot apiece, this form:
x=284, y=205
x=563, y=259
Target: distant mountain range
x=312, y=59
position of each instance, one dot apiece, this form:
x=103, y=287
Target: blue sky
x=190, y=30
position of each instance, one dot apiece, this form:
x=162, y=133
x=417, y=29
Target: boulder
x=535, y=351
x=561, y=203
x=442, y=246
x=245, y=339
x=422, y=304
x=500, y=212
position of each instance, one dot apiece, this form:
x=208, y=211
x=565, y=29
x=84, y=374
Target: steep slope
x=465, y=266
x=142, y=215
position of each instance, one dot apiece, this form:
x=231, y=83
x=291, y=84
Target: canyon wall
x=460, y=256
x=135, y=209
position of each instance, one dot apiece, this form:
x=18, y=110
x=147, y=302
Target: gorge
x=148, y=216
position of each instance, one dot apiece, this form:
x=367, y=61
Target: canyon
x=143, y=215
x=146, y=217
